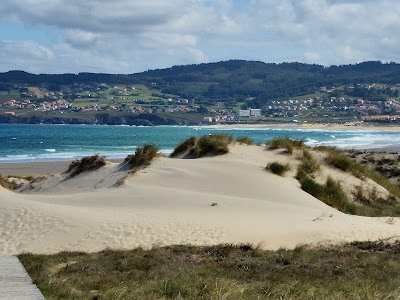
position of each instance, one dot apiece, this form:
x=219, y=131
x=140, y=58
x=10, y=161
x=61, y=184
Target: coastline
x=316, y=126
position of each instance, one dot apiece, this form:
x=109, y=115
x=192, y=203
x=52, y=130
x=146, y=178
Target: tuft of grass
x=85, y=164
x=244, y=140
x=142, y=157
x=360, y=270
x=285, y=143
x=6, y=184
x=185, y=146
x=309, y=163
x=211, y=144
x=278, y=168
x=215, y=144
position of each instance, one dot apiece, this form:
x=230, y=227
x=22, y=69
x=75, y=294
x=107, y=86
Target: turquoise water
x=28, y=143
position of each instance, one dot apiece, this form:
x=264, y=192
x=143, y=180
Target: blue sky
x=127, y=36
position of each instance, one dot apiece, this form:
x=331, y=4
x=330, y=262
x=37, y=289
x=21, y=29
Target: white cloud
x=127, y=36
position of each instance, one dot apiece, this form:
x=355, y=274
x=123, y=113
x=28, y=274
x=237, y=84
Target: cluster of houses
x=41, y=106
x=356, y=106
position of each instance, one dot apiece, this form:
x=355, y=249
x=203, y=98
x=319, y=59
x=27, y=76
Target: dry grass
x=142, y=157
x=184, y=147
x=88, y=163
x=285, y=143
x=7, y=184
x=244, y=140
x=216, y=144
x=309, y=163
x=361, y=270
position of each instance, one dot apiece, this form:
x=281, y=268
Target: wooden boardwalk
x=15, y=283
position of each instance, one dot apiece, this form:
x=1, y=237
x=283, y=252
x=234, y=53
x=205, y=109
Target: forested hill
x=230, y=80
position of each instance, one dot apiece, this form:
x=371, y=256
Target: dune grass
x=184, y=147
x=244, y=140
x=330, y=193
x=143, y=156
x=340, y=160
x=6, y=184
x=215, y=144
x=85, y=164
x=285, y=143
x=278, y=168
x=360, y=270
x=309, y=163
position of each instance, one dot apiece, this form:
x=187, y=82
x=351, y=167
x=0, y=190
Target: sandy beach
x=350, y=126
x=170, y=202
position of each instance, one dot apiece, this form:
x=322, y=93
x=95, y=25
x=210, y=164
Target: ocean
x=42, y=143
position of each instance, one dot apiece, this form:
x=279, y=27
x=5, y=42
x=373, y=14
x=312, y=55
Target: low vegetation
x=244, y=140
x=330, y=193
x=278, y=168
x=143, y=156
x=184, y=147
x=215, y=144
x=340, y=160
x=309, y=163
x=360, y=270
x=6, y=184
x=88, y=163
x=285, y=143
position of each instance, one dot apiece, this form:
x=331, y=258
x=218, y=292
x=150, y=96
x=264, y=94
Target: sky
x=129, y=36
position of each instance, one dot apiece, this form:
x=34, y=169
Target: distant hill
x=229, y=80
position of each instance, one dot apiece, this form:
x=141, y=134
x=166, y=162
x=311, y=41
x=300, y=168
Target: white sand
x=170, y=203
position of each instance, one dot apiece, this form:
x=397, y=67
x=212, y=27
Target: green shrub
x=244, y=140
x=143, y=156
x=185, y=146
x=278, y=168
x=85, y=164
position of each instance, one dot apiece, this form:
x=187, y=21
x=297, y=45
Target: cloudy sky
x=128, y=36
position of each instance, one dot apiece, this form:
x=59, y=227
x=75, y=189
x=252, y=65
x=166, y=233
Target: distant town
x=329, y=103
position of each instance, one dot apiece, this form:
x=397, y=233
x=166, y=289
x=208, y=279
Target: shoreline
x=314, y=126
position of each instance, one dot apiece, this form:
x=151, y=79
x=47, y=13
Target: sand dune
x=170, y=203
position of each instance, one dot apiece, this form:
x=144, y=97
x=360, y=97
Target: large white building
x=248, y=113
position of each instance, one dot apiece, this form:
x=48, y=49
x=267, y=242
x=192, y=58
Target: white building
x=243, y=113
x=255, y=112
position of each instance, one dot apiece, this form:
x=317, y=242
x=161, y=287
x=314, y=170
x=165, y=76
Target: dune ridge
x=170, y=202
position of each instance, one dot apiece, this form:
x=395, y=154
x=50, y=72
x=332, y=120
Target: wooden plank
x=15, y=282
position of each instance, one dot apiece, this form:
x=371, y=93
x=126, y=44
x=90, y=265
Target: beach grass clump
x=7, y=184
x=337, y=158
x=309, y=163
x=213, y=144
x=278, y=168
x=184, y=147
x=88, y=163
x=364, y=270
x=143, y=156
x=330, y=193
x=244, y=140
x=285, y=143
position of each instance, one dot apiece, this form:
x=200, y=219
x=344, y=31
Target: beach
x=322, y=126
x=222, y=199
